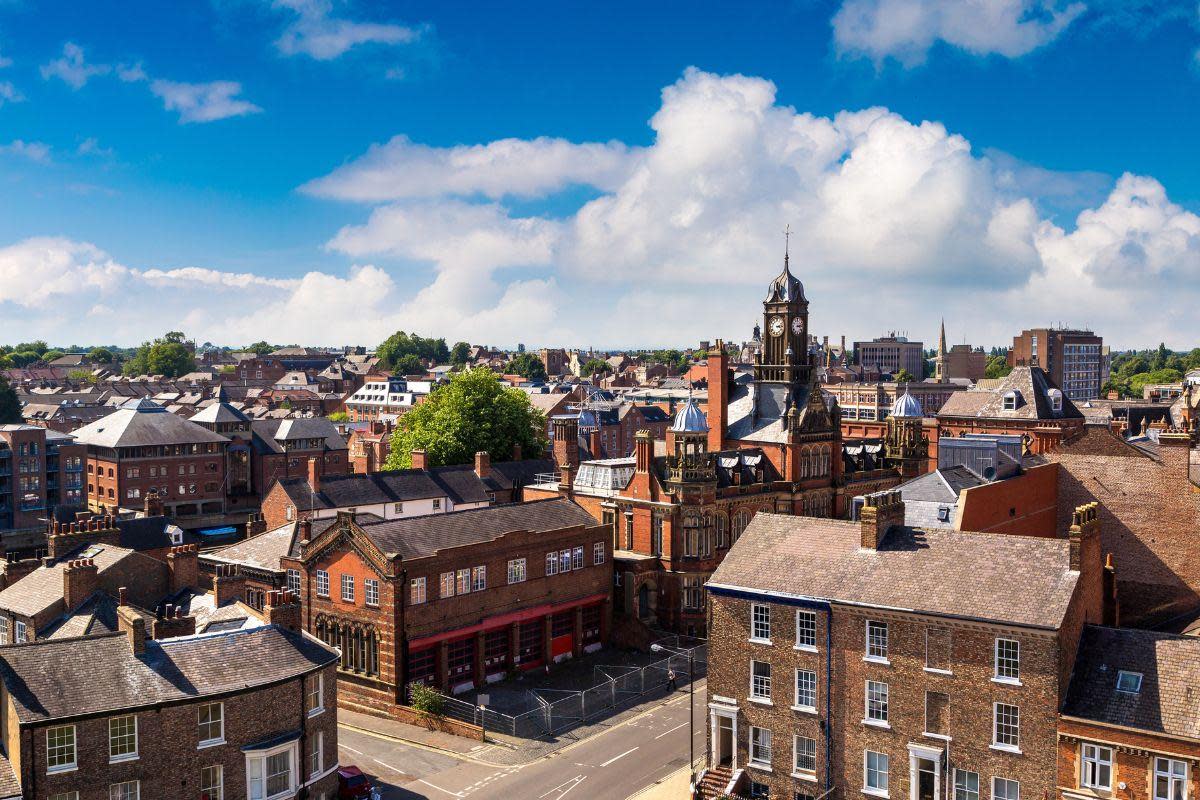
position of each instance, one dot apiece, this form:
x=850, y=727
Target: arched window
x=722, y=528
x=740, y=520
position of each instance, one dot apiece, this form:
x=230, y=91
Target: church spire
x=940, y=362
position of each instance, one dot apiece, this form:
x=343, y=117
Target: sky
x=611, y=175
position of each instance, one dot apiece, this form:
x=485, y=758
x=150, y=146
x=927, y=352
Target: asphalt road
x=611, y=765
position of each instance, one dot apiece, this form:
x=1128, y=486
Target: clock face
x=776, y=326
x=797, y=326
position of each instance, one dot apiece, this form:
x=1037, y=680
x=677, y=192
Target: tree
x=50, y=355
x=166, y=356
x=401, y=344
x=460, y=353
x=10, y=406
x=260, y=348
x=997, y=366
x=338, y=416
x=474, y=412
x=81, y=376
x=527, y=365
x=595, y=366
x=408, y=365
x=100, y=355
x=904, y=376
x=23, y=358
x=37, y=347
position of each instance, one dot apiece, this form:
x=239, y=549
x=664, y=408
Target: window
x=437, y=503
x=398, y=508
x=60, y=748
x=1129, y=682
x=212, y=784
x=347, y=588
x=18, y=631
x=128, y=790
x=322, y=583
x=804, y=755
x=291, y=513
x=564, y=561
x=211, y=719
x=314, y=754
x=478, y=579
x=463, y=581
x=760, y=747
x=598, y=553
x=3, y=630
x=1006, y=727
x=938, y=642
x=1170, y=779
x=760, y=623
x=293, y=581
x=416, y=591
x=1095, y=766
x=314, y=698
x=806, y=630
x=877, y=701
x=937, y=714
x=371, y=591
x=806, y=689
x=577, y=558
x=759, y=791
x=875, y=773
x=966, y=785
x=1004, y=789
x=122, y=738
x=1008, y=660
x=65, y=796
x=760, y=680
x=516, y=570
x=447, y=585
x=551, y=564
x=270, y=774
x=877, y=641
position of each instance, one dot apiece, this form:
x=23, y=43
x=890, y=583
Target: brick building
x=369, y=444
x=1026, y=402
x=890, y=354
x=239, y=714
x=873, y=657
x=456, y=599
x=39, y=469
x=142, y=448
x=1075, y=360
x=960, y=362
x=385, y=396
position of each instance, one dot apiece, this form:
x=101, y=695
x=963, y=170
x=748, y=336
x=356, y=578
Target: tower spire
x=940, y=363
x=787, y=240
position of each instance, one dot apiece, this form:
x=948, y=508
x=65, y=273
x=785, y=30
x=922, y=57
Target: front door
x=724, y=741
x=926, y=779
x=644, y=601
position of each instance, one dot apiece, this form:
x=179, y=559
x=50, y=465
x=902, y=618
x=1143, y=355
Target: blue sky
x=614, y=174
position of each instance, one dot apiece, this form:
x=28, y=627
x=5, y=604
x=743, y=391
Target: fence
x=555, y=711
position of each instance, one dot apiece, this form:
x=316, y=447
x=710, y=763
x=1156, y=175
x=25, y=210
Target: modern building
x=385, y=396
x=1075, y=360
x=892, y=353
x=39, y=470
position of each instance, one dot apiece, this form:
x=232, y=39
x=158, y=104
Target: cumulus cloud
x=72, y=68
x=37, y=270
x=34, y=151
x=317, y=33
x=9, y=93
x=906, y=29
x=5, y=61
x=203, y=102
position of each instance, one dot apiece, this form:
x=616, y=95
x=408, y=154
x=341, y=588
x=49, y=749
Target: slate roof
x=219, y=412
x=143, y=422
x=43, y=588
x=262, y=551
x=1169, y=700
x=1033, y=385
x=509, y=474
x=419, y=537
x=151, y=533
x=268, y=433
x=459, y=483
x=65, y=678
x=946, y=573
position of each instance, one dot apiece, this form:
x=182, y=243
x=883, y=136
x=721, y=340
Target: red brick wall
x=1133, y=754
x=1023, y=505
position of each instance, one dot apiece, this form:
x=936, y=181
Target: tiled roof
x=354, y=491
x=269, y=433
x=43, y=588
x=417, y=537
x=1030, y=383
x=1168, y=701
x=948, y=573
x=100, y=674
x=143, y=422
x=262, y=551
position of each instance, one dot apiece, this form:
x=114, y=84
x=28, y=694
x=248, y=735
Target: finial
x=787, y=235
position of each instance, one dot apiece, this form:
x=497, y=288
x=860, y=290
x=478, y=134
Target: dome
x=786, y=287
x=690, y=419
x=907, y=406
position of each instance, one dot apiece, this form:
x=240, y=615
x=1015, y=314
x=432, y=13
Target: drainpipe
x=828, y=726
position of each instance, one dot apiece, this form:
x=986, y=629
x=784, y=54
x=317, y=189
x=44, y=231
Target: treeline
x=1132, y=371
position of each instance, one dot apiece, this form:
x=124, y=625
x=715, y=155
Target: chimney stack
x=314, y=474
x=881, y=512
x=172, y=623
x=153, y=506
x=131, y=623
x=228, y=584
x=1085, y=537
x=419, y=460
x=566, y=441
x=643, y=451
x=516, y=454
x=566, y=483
x=594, y=443
x=283, y=609
x=81, y=577
x=483, y=464
x=183, y=564
x=718, y=396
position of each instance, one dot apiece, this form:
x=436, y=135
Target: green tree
x=1140, y=381
x=474, y=412
x=6, y=361
x=338, y=416
x=904, y=376
x=166, y=356
x=50, y=355
x=260, y=348
x=997, y=366
x=1133, y=366
x=23, y=358
x=408, y=365
x=460, y=353
x=527, y=365
x=401, y=344
x=81, y=376
x=595, y=366
x=10, y=406
x=36, y=347
x=100, y=355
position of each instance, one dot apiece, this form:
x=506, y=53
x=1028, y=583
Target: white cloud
x=34, y=151
x=215, y=278
x=401, y=169
x=91, y=147
x=203, y=102
x=316, y=33
x=131, y=73
x=906, y=29
x=37, y=270
x=9, y=93
x=5, y=61
x=72, y=68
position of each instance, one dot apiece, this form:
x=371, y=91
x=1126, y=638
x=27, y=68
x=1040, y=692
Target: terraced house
x=874, y=658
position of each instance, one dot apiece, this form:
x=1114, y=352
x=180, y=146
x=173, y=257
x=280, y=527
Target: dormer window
x=1012, y=399
x=1129, y=682
x=1056, y=400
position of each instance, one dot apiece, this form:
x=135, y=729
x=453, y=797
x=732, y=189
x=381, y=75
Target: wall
x=1024, y=505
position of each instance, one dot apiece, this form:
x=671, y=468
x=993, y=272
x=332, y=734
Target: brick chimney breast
x=314, y=474
x=183, y=563
x=483, y=464
x=881, y=512
x=81, y=577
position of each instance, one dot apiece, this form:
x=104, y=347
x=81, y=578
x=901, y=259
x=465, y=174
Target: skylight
x=1129, y=682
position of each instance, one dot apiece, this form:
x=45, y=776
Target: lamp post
x=658, y=648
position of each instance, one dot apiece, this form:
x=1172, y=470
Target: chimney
x=153, y=506
x=566, y=441
x=643, y=451
x=172, y=623
x=283, y=609
x=594, y=443
x=81, y=577
x=228, y=584
x=1085, y=537
x=305, y=529
x=131, y=623
x=718, y=396
x=565, y=480
x=881, y=512
x=483, y=464
x=516, y=454
x=314, y=474
x=183, y=564
x=255, y=524
x=418, y=460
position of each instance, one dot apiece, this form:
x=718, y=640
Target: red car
x=352, y=783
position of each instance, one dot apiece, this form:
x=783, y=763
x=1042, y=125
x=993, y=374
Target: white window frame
x=217, y=790
x=1137, y=676
x=127, y=756
x=1164, y=768
x=347, y=584
x=516, y=570
x=116, y=791
x=479, y=578
x=220, y=737
x=797, y=770
x=1095, y=759
x=996, y=743
x=760, y=686
x=869, y=645
x=65, y=766
x=876, y=696
x=417, y=591
x=314, y=697
x=808, y=616
x=315, y=758
x=322, y=583
x=260, y=757
x=447, y=587
x=962, y=789
x=996, y=779
x=757, y=745
x=998, y=674
x=3, y=630
x=877, y=791
x=371, y=592
x=551, y=564
x=811, y=677
x=598, y=553
x=293, y=581
x=18, y=631
x=760, y=623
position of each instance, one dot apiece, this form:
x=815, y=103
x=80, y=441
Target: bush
x=423, y=698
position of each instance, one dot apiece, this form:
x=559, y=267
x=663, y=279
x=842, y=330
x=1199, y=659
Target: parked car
x=352, y=783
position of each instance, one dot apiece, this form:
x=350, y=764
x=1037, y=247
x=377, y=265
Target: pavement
x=642, y=749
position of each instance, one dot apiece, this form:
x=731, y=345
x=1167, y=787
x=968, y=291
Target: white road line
x=615, y=758
x=677, y=727
x=440, y=789
x=351, y=749
x=389, y=766
x=579, y=781
x=572, y=781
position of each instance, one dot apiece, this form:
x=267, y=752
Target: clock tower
x=784, y=358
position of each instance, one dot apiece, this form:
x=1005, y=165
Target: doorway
x=926, y=779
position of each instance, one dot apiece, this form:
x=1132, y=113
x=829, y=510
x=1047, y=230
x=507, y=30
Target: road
x=610, y=765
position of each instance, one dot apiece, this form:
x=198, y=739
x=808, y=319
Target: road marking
x=615, y=758
x=677, y=727
x=440, y=789
x=389, y=766
x=351, y=749
x=578, y=781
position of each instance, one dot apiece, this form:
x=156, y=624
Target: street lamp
x=658, y=648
